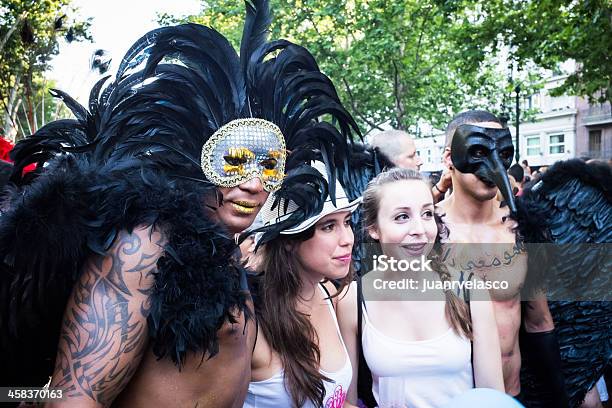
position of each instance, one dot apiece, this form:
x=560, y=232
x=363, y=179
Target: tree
x=392, y=60
x=29, y=35
x=550, y=32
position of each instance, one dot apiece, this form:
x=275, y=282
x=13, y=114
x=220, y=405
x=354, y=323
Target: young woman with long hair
x=427, y=347
x=299, y=358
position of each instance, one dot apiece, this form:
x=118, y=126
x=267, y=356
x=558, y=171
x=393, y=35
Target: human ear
x=373, y=232
x=446, y=159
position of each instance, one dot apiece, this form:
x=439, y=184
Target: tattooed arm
x=104, y=332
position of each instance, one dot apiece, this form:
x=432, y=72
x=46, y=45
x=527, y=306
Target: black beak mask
x=487, y=153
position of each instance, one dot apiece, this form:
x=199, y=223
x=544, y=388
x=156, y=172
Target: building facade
x=594, y=130
x=551, y=135
x=566, y=127
x=430, y=149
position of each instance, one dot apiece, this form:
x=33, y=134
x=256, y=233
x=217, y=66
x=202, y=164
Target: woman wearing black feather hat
x=299, y=359
x=119, y=266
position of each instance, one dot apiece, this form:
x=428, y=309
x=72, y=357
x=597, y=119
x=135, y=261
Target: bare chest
x=220, y=381
x=491, y=253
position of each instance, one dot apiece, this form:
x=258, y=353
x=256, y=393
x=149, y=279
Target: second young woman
x=430, y=346
x=299, y=358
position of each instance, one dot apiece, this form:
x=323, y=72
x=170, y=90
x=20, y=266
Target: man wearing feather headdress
x=120, y=277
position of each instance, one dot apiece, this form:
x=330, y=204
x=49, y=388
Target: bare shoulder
x=104, y=333
x=348, y=295
x=144, y=241
x=131, y=261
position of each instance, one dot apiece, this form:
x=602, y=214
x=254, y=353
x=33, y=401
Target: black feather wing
x=43, y=239
x=305, y=189
x=571, y=207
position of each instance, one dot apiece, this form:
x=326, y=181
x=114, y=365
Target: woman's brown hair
x=288, y=331
x=456, y=310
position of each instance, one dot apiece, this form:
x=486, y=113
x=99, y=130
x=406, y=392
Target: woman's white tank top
x=420, y=374
x=271, y=393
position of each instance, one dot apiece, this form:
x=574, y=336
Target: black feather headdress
x=134, y=156
x=177, y=86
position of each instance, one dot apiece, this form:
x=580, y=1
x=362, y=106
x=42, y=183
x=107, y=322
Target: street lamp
x=517, y=154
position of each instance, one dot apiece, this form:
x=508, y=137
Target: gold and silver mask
x=244, y=149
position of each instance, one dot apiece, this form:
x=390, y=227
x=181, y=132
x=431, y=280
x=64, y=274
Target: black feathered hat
x=181, y=91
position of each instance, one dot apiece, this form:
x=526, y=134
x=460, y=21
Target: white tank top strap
x=332, y=310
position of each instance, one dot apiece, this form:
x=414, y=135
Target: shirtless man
x=117, y=364
x=478, y=153
x=130, y=336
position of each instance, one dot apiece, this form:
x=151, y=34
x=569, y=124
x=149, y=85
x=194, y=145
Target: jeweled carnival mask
x=244, y=149
x=487, y=153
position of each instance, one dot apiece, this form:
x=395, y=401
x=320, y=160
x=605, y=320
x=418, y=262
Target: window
x=429, y=156
x=556, y=144
x=595, y=141
x=533, y=146
x=537, y=101
x=559, y=102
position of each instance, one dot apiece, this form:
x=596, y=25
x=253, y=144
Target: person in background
x=518, y=174
x=400, y=149
x=526, y=168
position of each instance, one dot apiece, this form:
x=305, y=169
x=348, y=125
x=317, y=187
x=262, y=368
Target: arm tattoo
x=102, y=337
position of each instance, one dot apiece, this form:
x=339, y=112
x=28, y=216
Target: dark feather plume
x=306, y=189
x=255, y=32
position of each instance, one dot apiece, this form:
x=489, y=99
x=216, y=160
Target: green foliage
x=410, y=62
x=29, y=35
x=392, y=61
x=550, y=32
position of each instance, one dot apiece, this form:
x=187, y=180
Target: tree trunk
x=25, y=115
x=9, y=124
x=398, y=91
x=30, y=114
x=10, y=32
x=19, y=127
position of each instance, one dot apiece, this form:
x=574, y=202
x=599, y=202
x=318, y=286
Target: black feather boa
x=50, y=227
